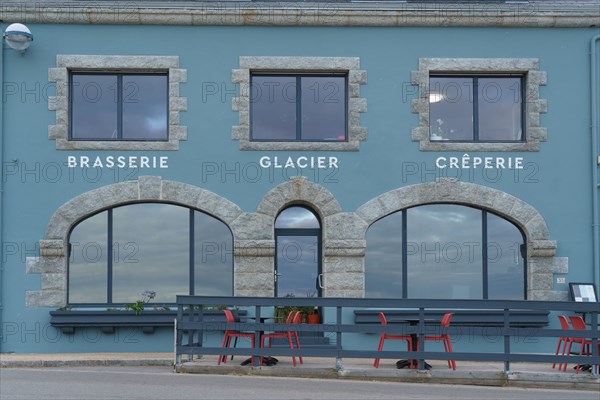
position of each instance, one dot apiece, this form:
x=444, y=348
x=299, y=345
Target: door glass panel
x=297, y=266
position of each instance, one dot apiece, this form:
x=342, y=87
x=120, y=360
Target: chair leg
x=289, y=336
x=298, y=345
x=379, y=348
x=448, y=345
x=568, y=353
x=234, y=345
x=558, y=347
x=225, y=343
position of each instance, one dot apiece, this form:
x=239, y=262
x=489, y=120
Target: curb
x=84, y=363
x=472, y=378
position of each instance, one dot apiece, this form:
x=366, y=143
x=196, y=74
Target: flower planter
x=313, y=319
x=148, y=320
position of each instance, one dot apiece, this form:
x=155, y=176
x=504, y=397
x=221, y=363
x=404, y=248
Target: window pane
x=499, y=109
x=297, y=266
x=383, y=259
x=297, y=218
x=506, y=267
x=444, y=252
x=450, y=108
x=213, y=248
x=88, y=260
x=323, y=108
x=94, y=107
x=273, y=107
x=145, y=107
x=150, y=251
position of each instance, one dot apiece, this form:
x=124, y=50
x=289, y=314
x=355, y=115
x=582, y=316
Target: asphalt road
x=149, y=383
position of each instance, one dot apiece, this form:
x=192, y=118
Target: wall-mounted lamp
x=18, y=37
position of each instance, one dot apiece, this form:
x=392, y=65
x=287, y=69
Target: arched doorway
x=298, y=253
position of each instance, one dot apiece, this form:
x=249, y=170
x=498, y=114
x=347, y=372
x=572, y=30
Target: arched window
x=118, y=253
x=445, y=251
x=298, y=249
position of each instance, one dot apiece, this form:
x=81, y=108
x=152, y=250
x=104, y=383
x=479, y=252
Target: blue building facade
x=410, y=150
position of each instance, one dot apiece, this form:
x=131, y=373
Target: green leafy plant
x=138, y=306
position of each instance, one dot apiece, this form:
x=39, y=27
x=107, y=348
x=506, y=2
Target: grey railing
x=191, y=327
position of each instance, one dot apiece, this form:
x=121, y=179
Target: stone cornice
x=531, y=14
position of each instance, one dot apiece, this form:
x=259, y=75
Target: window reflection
x=475, y=108
x=150, y=248
x=213, y=246
x=297, y=218
x=445, y=246
x=298, y=107
x=150, y=251
x=384, y=258
x=88, y=260
x=506, y=263
x=444, y=252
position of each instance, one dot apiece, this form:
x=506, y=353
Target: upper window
x=479, y=104
x=475, y=108
x=118, y=106
x=117, y=102
x=298, y=107
x=299, y=103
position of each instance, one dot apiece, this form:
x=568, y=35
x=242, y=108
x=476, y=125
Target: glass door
x=298, y=253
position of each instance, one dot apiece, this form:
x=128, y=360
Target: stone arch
x=541, y=250
x=299, y=190
x=52, y=263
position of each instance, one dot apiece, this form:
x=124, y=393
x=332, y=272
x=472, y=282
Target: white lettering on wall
x=467, y=162
x=139, y=162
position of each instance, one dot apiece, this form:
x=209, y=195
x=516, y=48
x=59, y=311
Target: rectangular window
x=482, y=108
x=305, y=107
x=119, y=106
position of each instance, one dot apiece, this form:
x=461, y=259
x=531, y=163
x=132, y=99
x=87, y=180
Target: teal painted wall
x=556, y=180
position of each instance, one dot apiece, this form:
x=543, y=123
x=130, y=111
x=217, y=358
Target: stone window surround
x=534, y=78
x=356, y=104
x=100, y=63
x=344, y=233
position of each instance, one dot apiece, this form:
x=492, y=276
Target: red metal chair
x=229, y=334
x=585, y=344
x=291, y=318
x=564, y=340
x=385, y=336
x=445, y=338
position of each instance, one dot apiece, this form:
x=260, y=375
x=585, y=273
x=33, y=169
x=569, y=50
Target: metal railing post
x=338, y=336
x=506, y=340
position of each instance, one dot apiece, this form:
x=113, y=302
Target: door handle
x=276, y=275
x=320, y=281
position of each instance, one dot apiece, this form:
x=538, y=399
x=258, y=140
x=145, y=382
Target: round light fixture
x=18, y=37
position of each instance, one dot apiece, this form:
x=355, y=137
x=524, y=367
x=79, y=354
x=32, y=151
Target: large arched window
x=445, y=251
x=118, y=253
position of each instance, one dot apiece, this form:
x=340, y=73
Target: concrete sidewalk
x=467, y=372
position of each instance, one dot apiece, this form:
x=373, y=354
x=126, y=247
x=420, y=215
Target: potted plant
x=312, y=316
